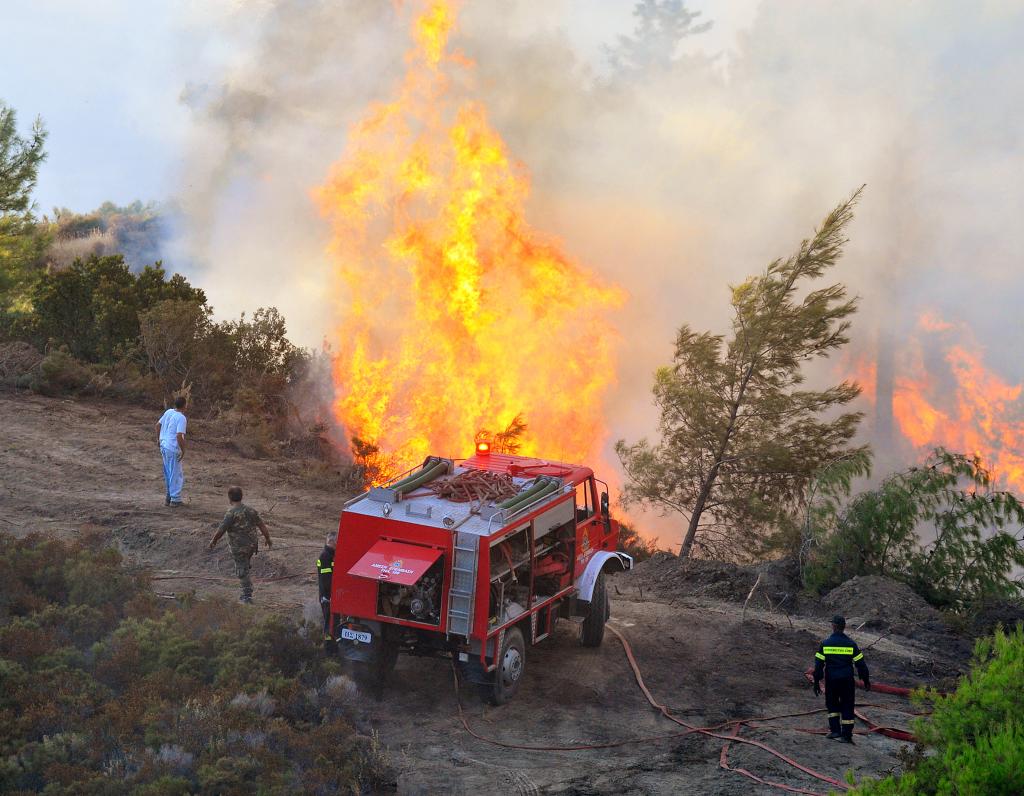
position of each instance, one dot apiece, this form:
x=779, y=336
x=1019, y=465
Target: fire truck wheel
x=511, y=664
x=373, y=674
x=592, y=632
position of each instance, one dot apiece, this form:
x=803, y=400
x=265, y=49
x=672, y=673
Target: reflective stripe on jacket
x=325, y=572
x=836, y=657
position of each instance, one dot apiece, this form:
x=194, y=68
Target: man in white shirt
x=172, y=448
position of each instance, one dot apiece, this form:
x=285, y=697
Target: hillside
x=69, y=467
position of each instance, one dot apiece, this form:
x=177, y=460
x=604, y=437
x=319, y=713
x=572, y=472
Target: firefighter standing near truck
x=835, y=660
x=240, y=524
x=325, y=572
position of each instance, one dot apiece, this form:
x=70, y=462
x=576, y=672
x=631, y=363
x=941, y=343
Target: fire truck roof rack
x=550, y=486
x=433, y=467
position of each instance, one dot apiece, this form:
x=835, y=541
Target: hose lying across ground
x=728, y=731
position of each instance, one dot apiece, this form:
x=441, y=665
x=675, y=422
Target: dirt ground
x=67, y=467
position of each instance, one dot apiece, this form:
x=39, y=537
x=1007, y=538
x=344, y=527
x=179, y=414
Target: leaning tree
x=741, y=436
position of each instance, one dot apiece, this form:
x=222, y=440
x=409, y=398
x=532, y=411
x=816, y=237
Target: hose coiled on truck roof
x=540, y=489
x=428, y=473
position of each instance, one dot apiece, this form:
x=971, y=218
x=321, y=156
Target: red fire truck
x=425, y=566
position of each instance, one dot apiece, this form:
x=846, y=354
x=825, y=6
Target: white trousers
x=174, y=477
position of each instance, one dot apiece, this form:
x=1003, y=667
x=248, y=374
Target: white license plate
x=356, y=635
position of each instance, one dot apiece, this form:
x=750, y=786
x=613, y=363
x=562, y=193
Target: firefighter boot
x=833, y=725
x=847, y=731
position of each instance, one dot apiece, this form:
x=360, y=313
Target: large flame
x=457, y=315
x=955, y=401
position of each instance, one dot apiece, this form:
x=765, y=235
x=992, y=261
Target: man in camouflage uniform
x=240, y=524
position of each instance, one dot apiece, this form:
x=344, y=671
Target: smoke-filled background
x=670, y=158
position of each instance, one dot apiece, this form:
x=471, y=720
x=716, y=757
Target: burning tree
x=457, y=315
x=740, y=437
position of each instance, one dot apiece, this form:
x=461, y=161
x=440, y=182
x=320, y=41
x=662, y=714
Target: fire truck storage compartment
x=513, y=569
x=409, y=578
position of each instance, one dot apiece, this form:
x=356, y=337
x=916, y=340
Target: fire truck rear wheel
x=592, y=632
x=374, y=673
x=511, y=665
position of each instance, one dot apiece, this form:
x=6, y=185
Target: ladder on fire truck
x=460, y=596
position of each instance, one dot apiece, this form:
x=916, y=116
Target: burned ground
x=67, y=467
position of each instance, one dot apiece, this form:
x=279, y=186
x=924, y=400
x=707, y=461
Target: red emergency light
x=483, y=448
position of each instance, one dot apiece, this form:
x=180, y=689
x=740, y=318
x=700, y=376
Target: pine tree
x=740, y=436
x=20, y=243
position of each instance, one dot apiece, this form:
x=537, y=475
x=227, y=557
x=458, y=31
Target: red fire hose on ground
x=715, y=731
x=882, y=688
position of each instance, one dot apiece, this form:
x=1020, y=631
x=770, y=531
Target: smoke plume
x=664, y=167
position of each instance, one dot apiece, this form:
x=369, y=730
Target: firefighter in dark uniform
x=325, y=571
x=835, y=660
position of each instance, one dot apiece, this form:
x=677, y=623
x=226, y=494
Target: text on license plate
x=356, y=635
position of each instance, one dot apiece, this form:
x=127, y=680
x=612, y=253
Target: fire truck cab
x=422, y=570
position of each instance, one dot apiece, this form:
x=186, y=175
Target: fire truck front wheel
x=592, y=632
x=511, y=665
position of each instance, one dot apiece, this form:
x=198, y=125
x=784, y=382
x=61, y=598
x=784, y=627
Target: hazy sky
x=672, y=183
x=107, y=77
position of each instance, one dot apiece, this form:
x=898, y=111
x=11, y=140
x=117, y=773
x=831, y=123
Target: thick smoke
x=673, y=175
x=265, y=131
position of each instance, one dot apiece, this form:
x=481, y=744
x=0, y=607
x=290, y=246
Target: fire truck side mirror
x=604, y=512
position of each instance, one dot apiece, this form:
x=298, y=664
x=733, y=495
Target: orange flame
x=457, y=315
x=966, y=407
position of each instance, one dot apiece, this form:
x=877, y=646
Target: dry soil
x=68, y=467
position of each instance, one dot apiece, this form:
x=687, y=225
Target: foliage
x=93, y=306
x=103, y=689
x=146, y=335
x=135, y=231
x=661, y=28
x=881, y=532
x=976, y=734
x=244, y=367
x=182, y=346
x=631, y=542
x=20, y=241
x=59, y=373
x=507, y=441
x=740, y=438
x=370, y=464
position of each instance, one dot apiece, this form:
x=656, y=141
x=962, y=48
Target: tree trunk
x=698, y=510
x=712, y=476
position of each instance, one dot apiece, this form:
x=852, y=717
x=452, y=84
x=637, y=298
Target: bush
x=244, y=366
x=135, y=231
x=18, y=361
x=144, y=336
x=93, y=306
x=105, y=689
x=58, y=373
x=975, y=735
x=882, y=532
x=631, y=542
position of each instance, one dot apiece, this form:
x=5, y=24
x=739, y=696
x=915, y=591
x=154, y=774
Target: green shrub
x=93, y=306
x=883, y=532
x=975, y=736
x=59, y=373
x=105, y=689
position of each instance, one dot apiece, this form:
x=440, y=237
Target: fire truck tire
x=511, y=665
x=592, y=632
x=374, y=673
